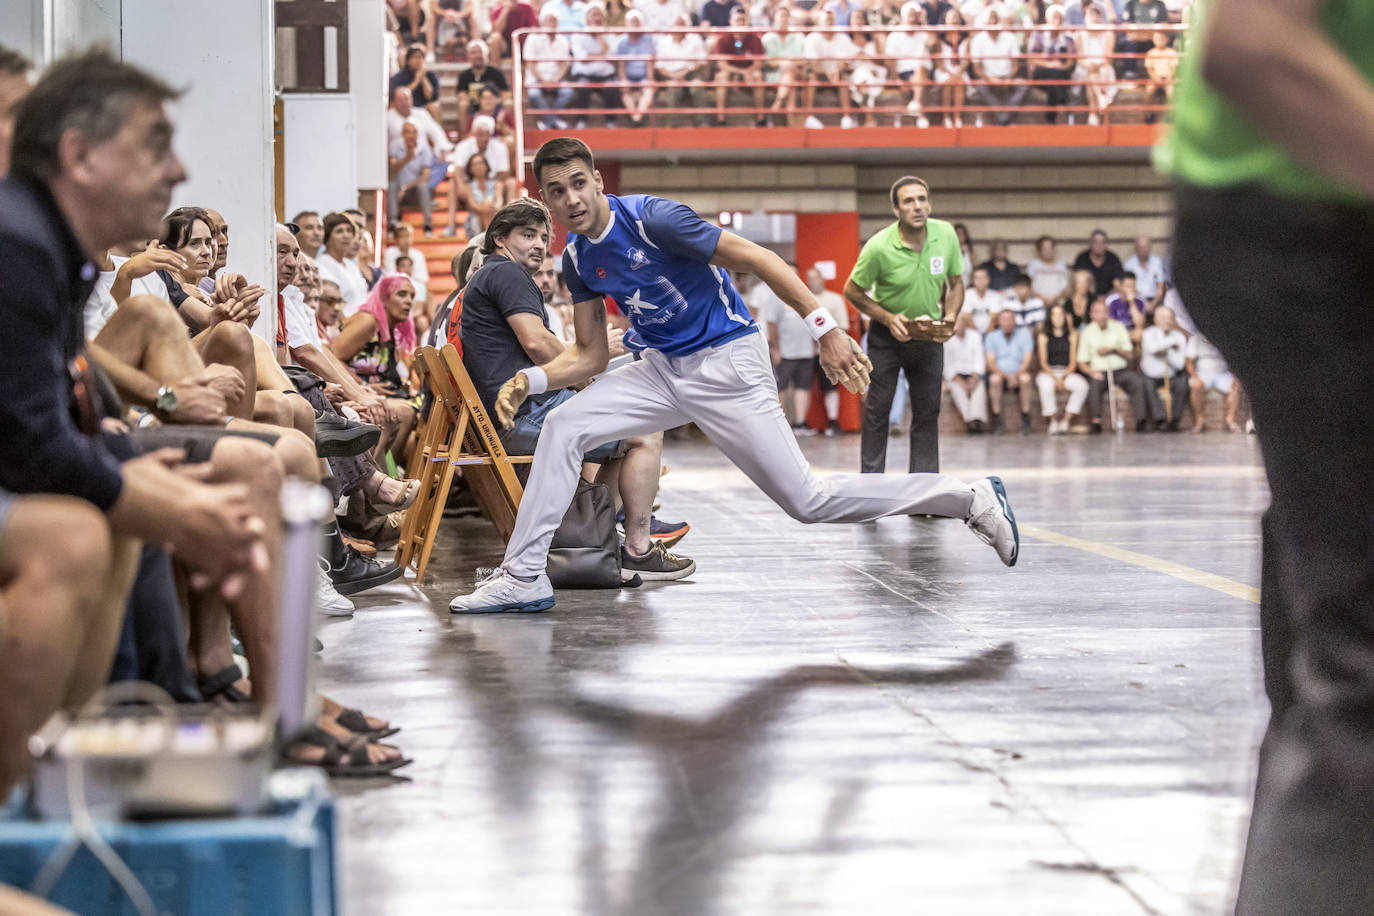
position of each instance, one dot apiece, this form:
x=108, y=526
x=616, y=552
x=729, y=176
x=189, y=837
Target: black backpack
x=585, y=552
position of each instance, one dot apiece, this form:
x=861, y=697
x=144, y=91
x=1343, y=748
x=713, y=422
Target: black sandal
x=341, y=759
x=220, y=686
x=356, y=722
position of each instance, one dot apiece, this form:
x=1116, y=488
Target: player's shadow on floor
x=714, y=773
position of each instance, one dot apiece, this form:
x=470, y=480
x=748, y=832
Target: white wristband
x=538, y=379
x=819, y=323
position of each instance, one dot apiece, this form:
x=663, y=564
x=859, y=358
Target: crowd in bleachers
x=798, y=62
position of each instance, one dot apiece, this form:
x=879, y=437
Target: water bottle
x=1120, y=423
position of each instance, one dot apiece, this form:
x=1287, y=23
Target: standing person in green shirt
x=1273, y=155
x=909, y=282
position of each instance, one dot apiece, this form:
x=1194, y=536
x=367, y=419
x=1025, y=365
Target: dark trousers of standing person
x=924, y=363
x=1128, y=380
x=1242, y=258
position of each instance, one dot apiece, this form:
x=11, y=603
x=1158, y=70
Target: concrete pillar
x=44, y=30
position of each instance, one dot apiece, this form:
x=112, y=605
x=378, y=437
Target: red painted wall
x=831, y=237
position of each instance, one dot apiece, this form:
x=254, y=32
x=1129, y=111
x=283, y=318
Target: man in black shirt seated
x=505, y=330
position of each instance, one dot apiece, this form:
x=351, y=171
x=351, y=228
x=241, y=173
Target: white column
x=221, y=54
x=44, y=30
x=367, y=81
x=316, y=122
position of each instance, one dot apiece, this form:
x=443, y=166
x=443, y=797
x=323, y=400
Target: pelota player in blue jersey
x=703, y=361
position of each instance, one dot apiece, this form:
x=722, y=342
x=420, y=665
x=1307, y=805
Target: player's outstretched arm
x=588, y=356
x=841, y=359
x=1271, y=59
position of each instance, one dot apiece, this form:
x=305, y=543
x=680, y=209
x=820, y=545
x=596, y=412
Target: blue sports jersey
x=653, y=259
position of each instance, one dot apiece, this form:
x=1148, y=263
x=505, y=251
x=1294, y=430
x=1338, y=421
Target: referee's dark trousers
x=924, y=364
x=1248, y=266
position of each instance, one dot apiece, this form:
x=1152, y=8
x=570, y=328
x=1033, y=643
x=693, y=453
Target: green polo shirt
x=1213, y=145
x=908, y=282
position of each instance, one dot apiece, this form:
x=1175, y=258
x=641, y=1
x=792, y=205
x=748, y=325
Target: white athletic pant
x=1078, y=391
x=729, y=392
x=970, y=406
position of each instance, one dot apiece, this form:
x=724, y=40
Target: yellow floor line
x=1177, y=570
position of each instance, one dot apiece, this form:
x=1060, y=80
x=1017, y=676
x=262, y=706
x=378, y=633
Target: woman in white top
x=951, y=67
x=1095, y=46
x=909, y=49
x=679, y=57
x=868, y=75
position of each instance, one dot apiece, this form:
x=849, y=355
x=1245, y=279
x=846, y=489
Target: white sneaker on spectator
x=922, y=121
x=897, y=121
x=500, y=593
x=1094, y=120
x=328, y=601
x=540, y=125
x=847, y=122
x=814, y=123
x=977, y=120
x=914, y=106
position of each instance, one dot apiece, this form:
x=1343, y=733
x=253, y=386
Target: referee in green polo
x=909, y=282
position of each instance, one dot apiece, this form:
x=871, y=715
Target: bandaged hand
x=509, y=399
x=844, y=363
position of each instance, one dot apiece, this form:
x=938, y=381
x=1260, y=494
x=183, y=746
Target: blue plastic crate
x=281, y=863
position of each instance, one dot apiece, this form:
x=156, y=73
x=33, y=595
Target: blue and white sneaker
x=992, y=521
x=501, y=593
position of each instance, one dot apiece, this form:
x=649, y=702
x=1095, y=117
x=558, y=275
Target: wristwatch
x=166, y=403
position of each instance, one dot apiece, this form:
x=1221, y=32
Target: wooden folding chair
x=458, y=434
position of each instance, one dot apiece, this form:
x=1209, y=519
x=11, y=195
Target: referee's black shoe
x=356, y=573
x=340, y=437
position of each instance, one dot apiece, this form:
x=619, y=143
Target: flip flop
x=408, y=495
x=356, y=722
x=342, y=759
x=220, y=685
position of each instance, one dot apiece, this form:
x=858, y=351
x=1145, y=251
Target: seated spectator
x=485, y=195
x=787, y=48
x=995, y=57
x=680, y=57
x=592, y=70
x=1101, y=262
x=1002, y=273
x=1207, y=371
x=504, y=329
x=1095, y=45
x=950, y=60
x=452, y=24
x=830, y=54
x=1052, y=57
x=888, y=13
x=716, y=13
x=479, y=75
x=1075, y=11
x=139, y=280
x=572, y=14
x=844, y=11
x=422, y=82
x=1151, y=279
x=638, y=46
x=419, y=271
x=1057, y=344
x=909, y=50
x=1028, y=308
x=1137, y=41
x=616, y=10
x=377, y=344
x=1161, y=63
x=403, y=110
x=1126, y=307
x=1163, y=362
x=793, y=353
x=965, y=252
x=1104, y=351
x=744, y=64
x=868, y=75
x=1009, y=350
x=507, y=17
x=369, y=271
x=547, y=59
x=337, y=262
x=328, y=311
x=311, y=236
x=937, y=11
x=1078, y=298
x=489, y=105
x=661, y=15
x=1049, y=275
x=965, y=364
x=981, y=302
x=974, y=11
x=409, y=165
x=482, y=140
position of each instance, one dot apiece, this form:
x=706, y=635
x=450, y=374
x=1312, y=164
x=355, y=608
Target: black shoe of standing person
x=340, y=437
x=1097, y=427
x=997, y=427
x=1142, y=426
x=1025, y=424
x=357, y=574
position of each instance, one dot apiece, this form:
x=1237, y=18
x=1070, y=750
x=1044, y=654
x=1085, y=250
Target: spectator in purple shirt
x=1127, y=307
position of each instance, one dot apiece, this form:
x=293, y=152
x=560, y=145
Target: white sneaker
x=977, y=120
x=897, y=121
x=992, y=521
x=328, y=601
x=501, y=593
x=922, y=121
x=914, y=106
x=814, y=123
x=847, y=122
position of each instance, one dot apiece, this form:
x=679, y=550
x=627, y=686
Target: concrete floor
x=867, y=719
